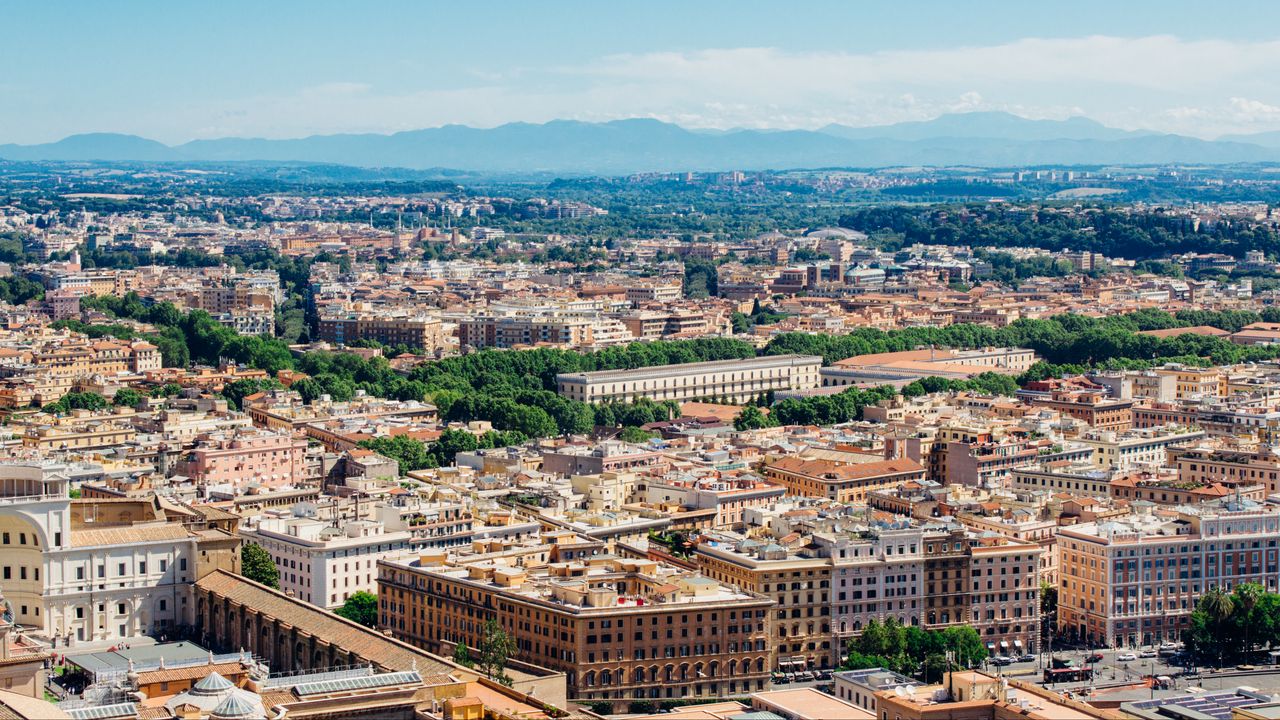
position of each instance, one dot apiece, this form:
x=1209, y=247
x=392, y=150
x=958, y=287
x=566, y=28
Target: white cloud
x=1203, y=87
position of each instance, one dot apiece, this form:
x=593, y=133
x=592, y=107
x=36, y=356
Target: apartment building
x=239, y=459
x=840, y=481
x=74, y=359
x=1022, y=529
x=1146, y=446
x=655, y=325
x=1229, y=467
x=734, y=381
x=1150, y=414
x=546, y=329
x=605, y=457
x=620, y=629
x=218, y=299
x=975, y=453
x=1195, y=382
x=1169, y=490
x=1093, y=407
x=1004, y=606
x=798, y=585
x=414, y=331
x=655, y=293
x=1135, y=580
x=729, y=497
x=79, y=432
x=322, y=562
x=874, y=577
x=946, y=580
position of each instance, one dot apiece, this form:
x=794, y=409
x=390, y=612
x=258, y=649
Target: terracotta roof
x=128, y=535
x=852, y=471
x=1174, y=332
x=369, y=645
x=191, y=672
x=895, y=357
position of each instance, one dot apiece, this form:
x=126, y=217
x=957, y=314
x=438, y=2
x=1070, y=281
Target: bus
x=1067, y=674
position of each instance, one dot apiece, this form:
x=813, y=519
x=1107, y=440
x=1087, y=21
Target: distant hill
x=1265, y=139
x=91, y=146
x=994, y=125
x=626, y=146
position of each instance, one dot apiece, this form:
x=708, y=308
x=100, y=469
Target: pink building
x=257, y=457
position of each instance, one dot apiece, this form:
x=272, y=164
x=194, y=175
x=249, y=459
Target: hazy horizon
x=175, y=73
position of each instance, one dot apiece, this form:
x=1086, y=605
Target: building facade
x=730, y=380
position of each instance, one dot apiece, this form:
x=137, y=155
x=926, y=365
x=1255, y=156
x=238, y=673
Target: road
x=1109, y=670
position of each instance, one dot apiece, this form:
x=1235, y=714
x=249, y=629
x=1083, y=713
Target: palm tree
x=1246, y=599
x=1217, y=607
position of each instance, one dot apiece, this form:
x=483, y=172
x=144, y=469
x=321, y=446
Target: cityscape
x=713, y=369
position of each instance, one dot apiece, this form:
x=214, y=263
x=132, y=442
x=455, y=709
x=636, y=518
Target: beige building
x=799, y=587
x=620, y=629
x=416, y=332
x=732, y=380
x=842, y=482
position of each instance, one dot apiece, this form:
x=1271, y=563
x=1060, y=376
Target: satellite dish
x=900, y=691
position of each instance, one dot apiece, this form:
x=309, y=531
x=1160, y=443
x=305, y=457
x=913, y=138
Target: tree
x=751, y=418
x=1207, y=635
x=1246, y=598
x=935, y=667
x=496, y=648
x=126, y=397
x=256, y=565
x=166, y=390
x=1048, y=598
x=451, y=442
x=633, y=434
x=360, y=607
x=77, y=401
x=409, y=453
x=462, y=655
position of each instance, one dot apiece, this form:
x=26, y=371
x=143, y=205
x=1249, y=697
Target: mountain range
x=985, y=139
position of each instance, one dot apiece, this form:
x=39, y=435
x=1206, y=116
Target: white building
x=323, y=563
x=74, y=582
x=731, y=380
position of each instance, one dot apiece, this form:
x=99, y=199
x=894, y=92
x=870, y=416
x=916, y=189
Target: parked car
x=1094, y=658
x=1126, y=657
x=1147, y=653
x=824, y=674
x=1027, y=657
x=804, y=676
x=1001, y=660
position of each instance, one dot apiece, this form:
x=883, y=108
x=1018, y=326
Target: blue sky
x=176, y=71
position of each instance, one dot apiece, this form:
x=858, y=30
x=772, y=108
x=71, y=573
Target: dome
x=212, y=684
x=239, y=705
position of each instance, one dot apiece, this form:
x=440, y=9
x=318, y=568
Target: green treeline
x=1062, y=339
x=1109, y=231
x=514, y=390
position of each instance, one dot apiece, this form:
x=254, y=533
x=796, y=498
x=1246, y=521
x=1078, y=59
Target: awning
x=991, y=646
x=1017, y=643
x=1004, y=643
